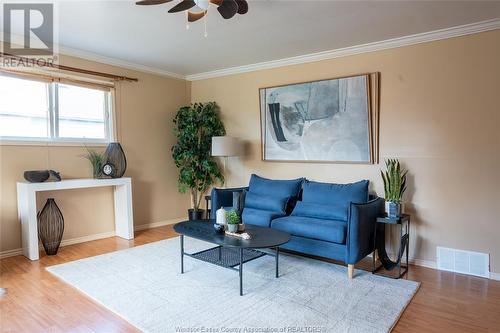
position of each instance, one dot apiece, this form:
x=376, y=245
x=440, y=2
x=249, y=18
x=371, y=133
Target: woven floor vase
x=50, y=227
x=114, y=154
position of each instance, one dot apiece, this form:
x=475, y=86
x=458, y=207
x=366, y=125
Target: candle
x=221, y=216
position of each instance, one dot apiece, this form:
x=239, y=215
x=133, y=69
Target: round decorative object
x=36, y=176
x=114, y=155
x=50, y=227
x=219, y=228
x=108, y=169
x=39, y=176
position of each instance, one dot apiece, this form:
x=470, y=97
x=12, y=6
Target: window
x=33, y=110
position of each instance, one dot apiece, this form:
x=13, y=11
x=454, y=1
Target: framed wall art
x=329, y=121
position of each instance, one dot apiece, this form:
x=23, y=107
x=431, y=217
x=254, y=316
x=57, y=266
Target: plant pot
x=195, y=215
x=393, y=209
x=232, y=227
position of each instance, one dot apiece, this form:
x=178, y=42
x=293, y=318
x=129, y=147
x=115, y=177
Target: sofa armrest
x=361, y=228
x=222, y=197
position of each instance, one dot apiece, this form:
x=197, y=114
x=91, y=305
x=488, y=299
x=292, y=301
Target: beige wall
x=439, y=114
x=144, y=112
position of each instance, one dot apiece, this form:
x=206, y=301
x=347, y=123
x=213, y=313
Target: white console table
x=26, y=207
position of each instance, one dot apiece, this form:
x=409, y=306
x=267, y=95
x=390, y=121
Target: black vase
x=195, y=215
x=50, y=227
x=114, y=154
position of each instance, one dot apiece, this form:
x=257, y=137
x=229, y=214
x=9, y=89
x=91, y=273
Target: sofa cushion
x=333, y=211
x=265, y=202
x=258, y=217
x=326, y=230
x=338, y=196
x=274, y=187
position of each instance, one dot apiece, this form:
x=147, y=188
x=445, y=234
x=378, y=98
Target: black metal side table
x=404, y=231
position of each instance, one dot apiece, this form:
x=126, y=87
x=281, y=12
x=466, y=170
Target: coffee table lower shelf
x=229, y=257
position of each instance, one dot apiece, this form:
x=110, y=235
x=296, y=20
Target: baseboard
x=424, y=263
x=158, y=224
x=16, y=252
x=71, y=241
x=432, y=264
x=11, y=253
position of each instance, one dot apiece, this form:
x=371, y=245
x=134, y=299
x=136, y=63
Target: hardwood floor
x=36, y=301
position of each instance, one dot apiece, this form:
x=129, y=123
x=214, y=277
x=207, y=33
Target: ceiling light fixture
x=197, y=9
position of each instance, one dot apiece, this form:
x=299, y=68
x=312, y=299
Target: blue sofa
x=335, y=221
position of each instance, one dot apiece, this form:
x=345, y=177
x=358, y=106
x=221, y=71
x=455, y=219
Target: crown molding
x=419, y=38
x=77, y=53
x=392, y=43
x=117, y=62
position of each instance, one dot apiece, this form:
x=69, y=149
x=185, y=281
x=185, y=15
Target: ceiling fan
x=196, y=9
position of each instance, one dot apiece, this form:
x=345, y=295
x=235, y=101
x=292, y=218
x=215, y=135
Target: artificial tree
x=194, y=127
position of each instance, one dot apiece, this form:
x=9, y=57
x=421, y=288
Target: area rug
x=144, y=286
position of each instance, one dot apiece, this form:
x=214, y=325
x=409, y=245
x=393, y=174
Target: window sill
x=7, y=142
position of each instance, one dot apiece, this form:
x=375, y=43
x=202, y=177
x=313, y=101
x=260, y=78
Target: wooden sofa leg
x=350, y=271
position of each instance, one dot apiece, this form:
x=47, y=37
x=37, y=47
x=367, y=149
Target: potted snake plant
x=394, y=178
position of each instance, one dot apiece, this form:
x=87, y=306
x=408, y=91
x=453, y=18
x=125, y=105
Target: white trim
x=72, y=52
x=495, y=276
x=83, y=239
x=117, y=62
x=457, y=31
x=424, y=37
x=30, y=142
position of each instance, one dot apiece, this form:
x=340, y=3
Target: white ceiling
x=149, y=36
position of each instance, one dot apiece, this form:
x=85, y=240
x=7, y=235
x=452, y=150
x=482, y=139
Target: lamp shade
x=225, y=146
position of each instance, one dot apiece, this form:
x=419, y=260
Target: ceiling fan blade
x=151, y=2
x=228, y=8
x=242, y=6
x=216, y=2
x=183, y=5
x=196, y=16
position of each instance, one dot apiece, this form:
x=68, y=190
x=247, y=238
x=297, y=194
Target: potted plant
x=232, y=220
x=195, y=125
x=96, y=159
x=394, y=187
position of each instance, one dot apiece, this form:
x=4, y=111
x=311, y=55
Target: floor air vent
x=465, y=262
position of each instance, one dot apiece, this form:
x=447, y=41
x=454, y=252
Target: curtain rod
x=70, y=69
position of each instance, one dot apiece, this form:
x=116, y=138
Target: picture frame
x=323, y=121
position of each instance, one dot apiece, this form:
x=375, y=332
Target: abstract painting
x=320, y=121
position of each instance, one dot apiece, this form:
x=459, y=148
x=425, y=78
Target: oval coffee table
x=231, y=251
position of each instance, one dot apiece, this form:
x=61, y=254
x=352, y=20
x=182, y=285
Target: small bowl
x=219, y=228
